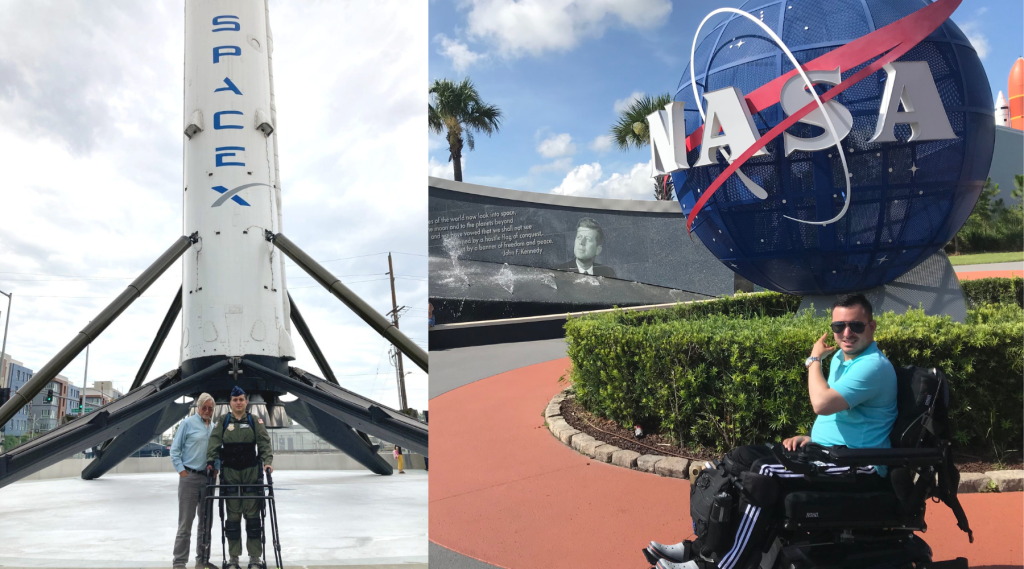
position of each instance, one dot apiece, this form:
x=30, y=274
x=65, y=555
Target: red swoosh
x=898, y=37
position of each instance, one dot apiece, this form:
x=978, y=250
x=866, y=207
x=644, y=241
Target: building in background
x=71, y=400
x=46, y=407
x=101, y=393
x=17, y=376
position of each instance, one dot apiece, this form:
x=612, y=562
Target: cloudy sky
x=561, y=69
x=91, y=139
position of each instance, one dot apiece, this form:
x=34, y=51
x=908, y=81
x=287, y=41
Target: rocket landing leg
x=340, y=435
x=125, y=444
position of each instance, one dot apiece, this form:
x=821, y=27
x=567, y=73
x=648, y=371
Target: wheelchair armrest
x=809, y=460
x=912, y=457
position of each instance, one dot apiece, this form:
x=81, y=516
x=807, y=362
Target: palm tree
x=631, y=131
x=458, y=109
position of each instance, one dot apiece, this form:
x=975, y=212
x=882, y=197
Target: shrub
x=992, y=226
x=993, y=291
x=718, y=380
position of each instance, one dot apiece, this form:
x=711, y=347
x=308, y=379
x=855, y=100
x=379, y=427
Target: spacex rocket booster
x=234, y=301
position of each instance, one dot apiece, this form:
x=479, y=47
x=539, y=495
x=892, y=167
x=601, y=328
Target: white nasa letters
x=727, y=112
x=795, y=96
x=666, y=155
x=908, y=83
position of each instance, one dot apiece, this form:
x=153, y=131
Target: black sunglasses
x=855, y=326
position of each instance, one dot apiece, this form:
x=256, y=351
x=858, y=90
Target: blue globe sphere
x=908, y=198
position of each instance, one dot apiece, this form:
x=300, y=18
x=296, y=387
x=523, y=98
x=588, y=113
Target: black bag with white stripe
x=712, y=505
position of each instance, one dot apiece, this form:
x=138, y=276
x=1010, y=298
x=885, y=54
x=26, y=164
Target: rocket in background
x=1002, y=111
x=1015, y=90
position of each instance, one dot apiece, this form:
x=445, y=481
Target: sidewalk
x=506, y=492
x=989, y=270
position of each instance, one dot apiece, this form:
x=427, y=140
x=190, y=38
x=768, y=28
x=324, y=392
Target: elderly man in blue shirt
x=855, y=407
x=188, y=454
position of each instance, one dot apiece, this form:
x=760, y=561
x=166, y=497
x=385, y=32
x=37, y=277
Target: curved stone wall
x=508, y=253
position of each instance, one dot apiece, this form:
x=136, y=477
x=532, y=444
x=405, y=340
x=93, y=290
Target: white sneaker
x=666, y=564
x=677, y=553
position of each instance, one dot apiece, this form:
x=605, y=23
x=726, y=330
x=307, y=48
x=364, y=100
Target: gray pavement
x=461, y=366
x=327, y=519
x=451, y=369
x=1014, y=266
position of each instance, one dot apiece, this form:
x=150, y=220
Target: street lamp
x=3, y=348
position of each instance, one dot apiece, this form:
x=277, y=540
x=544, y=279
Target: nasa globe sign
x=844, y=187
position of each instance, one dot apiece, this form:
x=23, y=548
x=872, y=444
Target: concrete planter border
x=669, y=466
x=675, y=467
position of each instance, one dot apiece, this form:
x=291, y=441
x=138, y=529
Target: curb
x=675, y=467
x=668, y=466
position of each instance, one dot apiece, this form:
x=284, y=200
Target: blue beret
x=236, y=391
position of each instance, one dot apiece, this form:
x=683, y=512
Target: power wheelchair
x=831, y=521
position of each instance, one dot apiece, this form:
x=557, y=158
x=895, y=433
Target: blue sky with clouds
x=559, y=69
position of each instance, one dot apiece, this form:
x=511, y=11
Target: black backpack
x=713, y=501
x=922, y=397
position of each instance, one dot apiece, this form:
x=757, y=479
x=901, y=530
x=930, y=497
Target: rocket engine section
x=234, y=301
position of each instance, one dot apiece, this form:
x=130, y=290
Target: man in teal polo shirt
x=856, y=407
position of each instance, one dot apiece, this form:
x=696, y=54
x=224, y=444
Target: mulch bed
x=610, y=432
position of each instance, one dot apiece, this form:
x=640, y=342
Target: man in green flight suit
x=235, y=443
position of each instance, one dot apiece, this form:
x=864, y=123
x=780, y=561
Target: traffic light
x=49, y=396
x=5, y=394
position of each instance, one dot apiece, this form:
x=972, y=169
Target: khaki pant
x=191, y=495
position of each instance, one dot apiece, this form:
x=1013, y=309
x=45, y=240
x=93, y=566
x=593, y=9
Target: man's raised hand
x=821, y=349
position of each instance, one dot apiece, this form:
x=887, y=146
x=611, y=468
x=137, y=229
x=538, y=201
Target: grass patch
x=981, y=258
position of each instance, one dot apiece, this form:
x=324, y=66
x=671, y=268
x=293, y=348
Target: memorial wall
x=497, y=253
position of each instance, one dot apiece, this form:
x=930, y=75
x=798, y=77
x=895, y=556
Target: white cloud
x=623, y=104
x=602, y=143
x=532, y=27
x=559, y=165
x=460, y=54
x=557, y=145
x=583, y=181
x=91, y=135
x=442, y=169
x=974, y=33
x=436, y=142
x=580, y=180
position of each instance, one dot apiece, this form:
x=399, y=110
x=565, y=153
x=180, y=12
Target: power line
x=89, y=277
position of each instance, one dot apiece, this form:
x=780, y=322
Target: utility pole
x=85, y=381
x=3, y=349
x=402, y=401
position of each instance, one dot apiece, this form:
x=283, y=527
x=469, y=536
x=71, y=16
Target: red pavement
x=506, y=492
x=972, y=275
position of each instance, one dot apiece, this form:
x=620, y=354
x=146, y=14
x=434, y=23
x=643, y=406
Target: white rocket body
x=1002, y=111
x=234, y=298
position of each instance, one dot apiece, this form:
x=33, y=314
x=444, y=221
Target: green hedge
x=715, y=380
x=994, y=291
x=992, y=226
